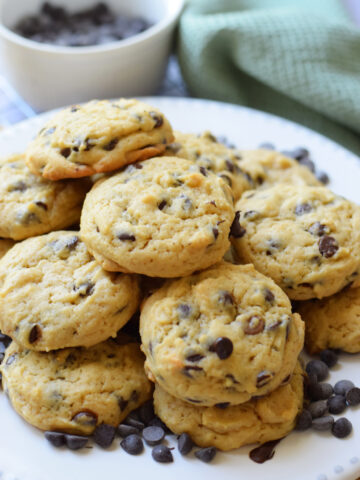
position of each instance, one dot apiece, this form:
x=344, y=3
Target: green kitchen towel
x=299, y=59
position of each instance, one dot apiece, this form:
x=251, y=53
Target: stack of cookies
x=221, y=342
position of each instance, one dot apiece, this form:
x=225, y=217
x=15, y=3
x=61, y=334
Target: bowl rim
x=169, y=18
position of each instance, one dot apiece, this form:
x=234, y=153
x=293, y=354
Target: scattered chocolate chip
x=215, y=232
x=57, y=439
x=303, y=421
x=41, y=205
x=111, y=145
x=162, y=454
x=162, y=204
x=263, y=378
x=124, y=430
x=322, y=424
x=320, y=391
x=157, y=118
x=35, y=334
x=206, y=454
x=323, y=177
x=132, y=444
x=236, y=230
x=302, y=208
x=226, y=298
x=195, y=357
x=146, y=412
x=184, y=310
x=328, y=246
x=264, y=452
x=329, y=357
x=75, y=442
x=336, y=404
x=268, y=295
x=157, y=422
x=85, y=418
x=85, y=289
x=318, y=409
x=65, y=152
x=104, y=435
x=343, y=386
x=353, y=396
x=153, y=435
x=185, y=444
x=319, y=368
x=341, y=428
x=254, y=325
x=203, y=171
x=126, y=236
x=133, y=422
x=223, y=347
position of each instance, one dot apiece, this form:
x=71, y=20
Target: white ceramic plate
x=26, y=455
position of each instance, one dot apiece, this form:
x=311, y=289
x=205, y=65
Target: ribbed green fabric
x=299, y=59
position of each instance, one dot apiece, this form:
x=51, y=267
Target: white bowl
x=49, y=76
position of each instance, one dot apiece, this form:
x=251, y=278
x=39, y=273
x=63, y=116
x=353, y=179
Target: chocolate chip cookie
x=213, y=156
x=53, y=294
x=256, y=421
x=165, y=217
x=267, y=167
x=307, y=239
x=220, y=337
x=30, y=205
x=99, y=136
x=332, y=322
x=75, y=389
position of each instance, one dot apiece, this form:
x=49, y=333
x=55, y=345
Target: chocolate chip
x=320, y=391
x=206, y=454
x=264, y=452
x=226, y=179
x=133, y=422
x=104, y=435
x=88, y=144
x=222, y=405
x=319, y=368
x=41, y=205
x=85, y=418
x=304, y=420
x=229, y=165
x=323, y=177
x=268, y=295
x=215, y=232
x=329, y=357
x=153, y=435
x=323, y=424
x=56, y=439
x=318, y=409
x=185, y=444
x=226, y=298
x=236, y=230
x=223, y=347
x=254, y=325
x=85, y=289
x=203, y=171
x=195, y=357
x=162, y=454
x=343, y=386
x=353, y=396
x=126, y=236
x=328, y=246
x=184, y=310
x=146, y=412
x=162, y=204
x=302, y=208
x=318, y=228
x=158, y=119
x=19, y=186
x=263, y=378
x=75, y=442
x=124, y=430
x=157, y=422
x=71, y=242
x=35, y=334
x=65, y=152
x=111, y=145
x=306, y=162
x=341, y=428
x=5, y=339
x=188, y=368
x=132, y=444
x=27, y=218
x=11, y=359
x=336, y=404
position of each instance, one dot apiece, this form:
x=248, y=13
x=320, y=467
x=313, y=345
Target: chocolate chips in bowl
x=95, y=25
